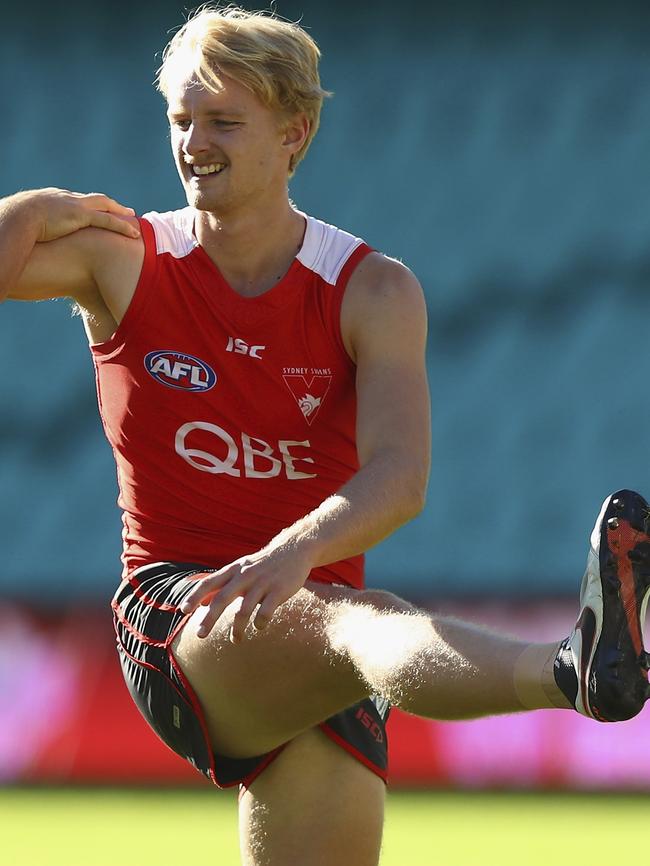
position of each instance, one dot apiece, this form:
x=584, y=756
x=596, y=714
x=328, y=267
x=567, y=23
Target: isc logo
x=241, y=347
x=178, y=370
x=368, y=722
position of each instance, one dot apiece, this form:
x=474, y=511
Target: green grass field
x=104, y=827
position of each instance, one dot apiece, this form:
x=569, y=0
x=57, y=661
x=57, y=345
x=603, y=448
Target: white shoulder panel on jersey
x=326, y=249
x=174, y=231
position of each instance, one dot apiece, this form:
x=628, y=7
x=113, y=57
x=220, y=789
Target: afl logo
x=181, y=371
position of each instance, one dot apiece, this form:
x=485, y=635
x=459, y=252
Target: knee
x=364, y=623
x=386, y=602
x=387, y=640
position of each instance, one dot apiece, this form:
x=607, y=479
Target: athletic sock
x=534, y=679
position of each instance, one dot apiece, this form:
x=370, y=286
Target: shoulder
x=98, y=244
x=378, y=276
x=115, y=262
x=327, y=249
x=106, y=250
x=173, y=231
x=382, y=296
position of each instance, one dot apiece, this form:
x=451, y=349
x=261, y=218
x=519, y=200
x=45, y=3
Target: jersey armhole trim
x=357, y=256
x=141, y=295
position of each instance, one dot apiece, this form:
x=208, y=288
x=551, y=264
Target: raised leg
x=329, y=647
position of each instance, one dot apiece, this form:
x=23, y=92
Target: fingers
x=261, y=587
x=105, y=220
x=63, y=212
x=205, y=588
x=234, y=589
x=266, y=610
x=242, y=618
x=252, y=598
x=106, y=213
x=221, y=589
x=99, y=201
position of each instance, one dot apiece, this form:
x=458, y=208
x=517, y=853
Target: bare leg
x=443, y=668
x=329, y=647
x=314, y=805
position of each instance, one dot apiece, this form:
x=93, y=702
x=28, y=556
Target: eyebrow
x=212, y=113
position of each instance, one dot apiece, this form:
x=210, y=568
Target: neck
x=252, y=250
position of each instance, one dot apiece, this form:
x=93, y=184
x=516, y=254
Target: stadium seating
x=499, y=156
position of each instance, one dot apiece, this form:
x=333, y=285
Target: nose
x=195, y=140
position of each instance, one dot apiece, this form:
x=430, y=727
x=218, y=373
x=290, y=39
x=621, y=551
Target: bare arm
x=384, y=327
x=42, y=253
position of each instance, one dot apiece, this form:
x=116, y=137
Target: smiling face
x=231, y=151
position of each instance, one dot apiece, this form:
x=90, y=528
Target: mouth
x=202, y=172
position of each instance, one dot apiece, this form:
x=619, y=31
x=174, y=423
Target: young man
x=261, y=379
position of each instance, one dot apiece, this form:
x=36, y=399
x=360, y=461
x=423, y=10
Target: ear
x=295, y=133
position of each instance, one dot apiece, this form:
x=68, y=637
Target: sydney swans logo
x=309, y=386
x=309, y=404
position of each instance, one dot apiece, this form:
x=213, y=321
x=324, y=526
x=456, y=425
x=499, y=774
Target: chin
x=198, y=200
x=209, y=204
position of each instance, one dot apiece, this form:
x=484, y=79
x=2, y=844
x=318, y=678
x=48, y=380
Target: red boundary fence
x=67, y=717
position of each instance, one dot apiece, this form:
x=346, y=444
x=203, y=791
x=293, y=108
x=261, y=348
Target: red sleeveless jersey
x=229, y=417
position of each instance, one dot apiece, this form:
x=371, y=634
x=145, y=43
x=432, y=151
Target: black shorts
x=147, y=618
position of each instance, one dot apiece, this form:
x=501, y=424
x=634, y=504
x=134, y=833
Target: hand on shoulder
x=59, y=212
x=55, y=243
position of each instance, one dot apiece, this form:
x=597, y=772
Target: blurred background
x=500, y=150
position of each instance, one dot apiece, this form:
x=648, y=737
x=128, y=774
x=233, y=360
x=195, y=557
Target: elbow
x=399, y=483
x=420, y=486
x=421, y=500
x=415, y=497
x=416, y=505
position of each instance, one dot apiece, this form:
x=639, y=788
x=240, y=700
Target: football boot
x=602, y=667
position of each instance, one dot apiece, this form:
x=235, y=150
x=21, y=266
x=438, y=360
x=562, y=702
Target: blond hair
x=277, y=60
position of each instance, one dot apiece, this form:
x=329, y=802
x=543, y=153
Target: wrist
x=20, y=228
x=24, y=212
x=300, y=545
